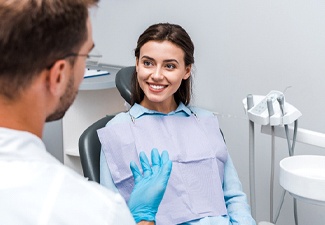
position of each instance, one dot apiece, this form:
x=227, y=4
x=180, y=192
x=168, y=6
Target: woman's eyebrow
x=166, y=60
x=147, y=57
x=171, y=60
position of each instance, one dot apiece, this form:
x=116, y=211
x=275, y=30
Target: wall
x=242, y=47
x=52, y=137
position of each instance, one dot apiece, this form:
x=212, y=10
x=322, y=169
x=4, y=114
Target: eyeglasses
x=92, y=57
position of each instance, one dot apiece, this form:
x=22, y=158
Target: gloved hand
x=150, y=186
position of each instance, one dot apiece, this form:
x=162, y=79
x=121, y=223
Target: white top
x=35, y=188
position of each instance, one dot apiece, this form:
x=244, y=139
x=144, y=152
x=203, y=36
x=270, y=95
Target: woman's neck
x=163, y=107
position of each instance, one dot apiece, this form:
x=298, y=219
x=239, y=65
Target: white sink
x=303, y=176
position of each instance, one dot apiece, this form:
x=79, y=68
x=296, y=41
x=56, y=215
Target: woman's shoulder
x=201, y=111
x=122, y=117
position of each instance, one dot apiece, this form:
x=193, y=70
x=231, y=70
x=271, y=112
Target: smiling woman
x=176, y=43
x=160, y=72
x=204, y=187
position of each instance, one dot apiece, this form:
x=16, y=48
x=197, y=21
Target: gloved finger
x=165, y=172
x=155, y=159
x=145, y=165
x=166, y=166
x=135, y=172
x=164, y=157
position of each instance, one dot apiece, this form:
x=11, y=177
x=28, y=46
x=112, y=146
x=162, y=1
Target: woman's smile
x=157, y=87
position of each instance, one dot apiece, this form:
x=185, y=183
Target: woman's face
x=160, y=71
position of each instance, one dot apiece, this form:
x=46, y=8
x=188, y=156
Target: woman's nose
x=157, y=74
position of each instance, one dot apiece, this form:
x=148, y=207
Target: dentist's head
x=43, y=45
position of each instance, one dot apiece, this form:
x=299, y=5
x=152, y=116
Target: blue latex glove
x=150, y=186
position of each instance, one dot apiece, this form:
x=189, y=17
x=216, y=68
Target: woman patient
x=203, y=187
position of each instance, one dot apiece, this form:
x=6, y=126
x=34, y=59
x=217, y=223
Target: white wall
x=242, y=47
x=52, y=138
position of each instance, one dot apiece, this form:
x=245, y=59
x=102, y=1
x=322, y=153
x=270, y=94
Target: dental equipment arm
x=250, y=104
x=271, y=113
x=270, y=110
x=150, y=185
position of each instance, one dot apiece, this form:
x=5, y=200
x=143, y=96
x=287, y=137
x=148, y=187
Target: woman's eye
x=170, y=66
x=147, y=63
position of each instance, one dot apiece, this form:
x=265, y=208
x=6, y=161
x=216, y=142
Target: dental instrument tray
x=282, y=112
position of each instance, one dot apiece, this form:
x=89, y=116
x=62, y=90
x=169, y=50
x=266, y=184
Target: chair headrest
x=123, y=82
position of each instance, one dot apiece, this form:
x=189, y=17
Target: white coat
x=35, y=188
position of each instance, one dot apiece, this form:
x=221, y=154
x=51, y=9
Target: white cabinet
x=97, y=97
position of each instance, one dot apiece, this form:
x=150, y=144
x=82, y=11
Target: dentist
x=43, y=48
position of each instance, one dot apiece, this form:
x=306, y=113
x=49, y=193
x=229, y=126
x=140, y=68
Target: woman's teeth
x=157, y=87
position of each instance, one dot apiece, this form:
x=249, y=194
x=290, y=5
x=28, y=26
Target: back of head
x=36, y=33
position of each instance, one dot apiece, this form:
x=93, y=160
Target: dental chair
x=89, y=144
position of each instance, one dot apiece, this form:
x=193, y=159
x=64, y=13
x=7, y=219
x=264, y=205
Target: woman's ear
x=57, y=77
x=188, y=72
x=136, y=64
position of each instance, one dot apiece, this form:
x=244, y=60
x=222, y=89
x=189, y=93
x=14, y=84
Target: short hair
x=178, y=36
x=36, y=33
